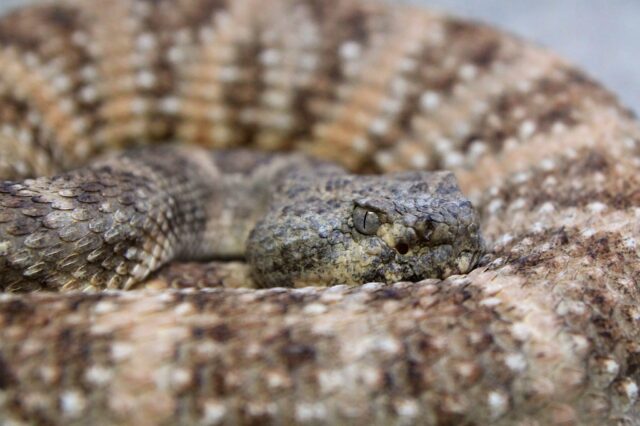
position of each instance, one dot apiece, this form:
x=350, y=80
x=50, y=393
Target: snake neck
x=215, y=198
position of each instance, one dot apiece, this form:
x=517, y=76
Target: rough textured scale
x=545, y=333
x=296, y=221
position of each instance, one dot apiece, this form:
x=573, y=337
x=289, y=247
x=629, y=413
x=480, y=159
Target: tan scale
x=545, y=332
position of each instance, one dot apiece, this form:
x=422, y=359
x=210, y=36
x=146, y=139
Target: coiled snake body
x=545, y=331
x=300, y=222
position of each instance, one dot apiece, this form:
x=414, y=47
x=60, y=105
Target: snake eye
x=366, y=221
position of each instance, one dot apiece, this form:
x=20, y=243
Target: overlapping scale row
x=372, y=87
x=107, y=226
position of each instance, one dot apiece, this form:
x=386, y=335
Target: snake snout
x=466, y=261
x=437, y=232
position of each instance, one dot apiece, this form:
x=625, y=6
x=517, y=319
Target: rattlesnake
x=296, y=221
x=542, y=332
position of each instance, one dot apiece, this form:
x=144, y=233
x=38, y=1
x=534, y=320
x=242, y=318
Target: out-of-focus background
x=602, y=36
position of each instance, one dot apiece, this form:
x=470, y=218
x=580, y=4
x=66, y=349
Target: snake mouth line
x=227, y=258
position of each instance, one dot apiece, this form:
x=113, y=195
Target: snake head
x=418, y=226
x=357, y=229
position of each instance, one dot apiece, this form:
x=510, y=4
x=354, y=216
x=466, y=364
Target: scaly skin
x=350, y=229
x=297, y=222
x=545, y=333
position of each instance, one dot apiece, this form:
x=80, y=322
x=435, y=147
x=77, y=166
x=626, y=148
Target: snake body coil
x=96, y=196
x=300, y=222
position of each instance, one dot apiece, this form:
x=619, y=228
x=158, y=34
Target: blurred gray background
x=602, y=36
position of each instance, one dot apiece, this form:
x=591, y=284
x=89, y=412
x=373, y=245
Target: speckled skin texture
x=346, y=229
x=545, y=333
x=298, y=222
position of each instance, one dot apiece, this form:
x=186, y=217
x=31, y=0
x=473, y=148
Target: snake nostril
x=402, y=248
